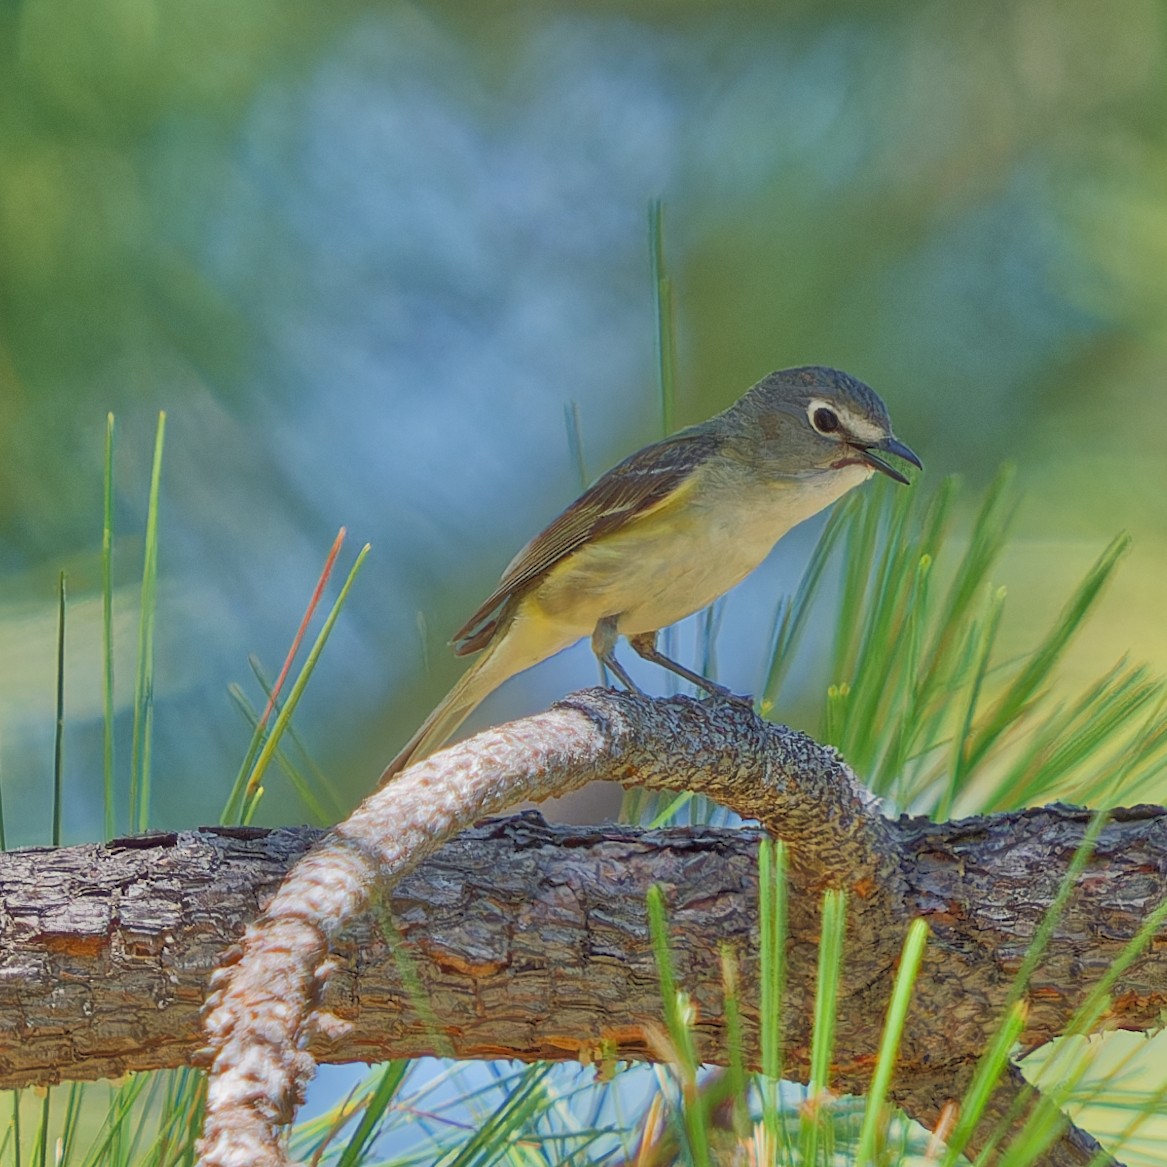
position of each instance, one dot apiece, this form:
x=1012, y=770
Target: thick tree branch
x=106, y=948
x=529, y=942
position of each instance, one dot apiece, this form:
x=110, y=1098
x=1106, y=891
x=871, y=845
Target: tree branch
x=528, y=941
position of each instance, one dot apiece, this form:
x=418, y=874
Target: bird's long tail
x=489, y=671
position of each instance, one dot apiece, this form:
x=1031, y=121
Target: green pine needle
x=814, y=1121
x=142, y=742
x=59, y=728
x=107, y=673
x=897, y=1012
x=283, y=718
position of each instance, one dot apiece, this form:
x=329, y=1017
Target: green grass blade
x=40, y=1149
x=1046, y=1121
x=675, y=1007
x=59, y=729
x=1064, y=1070
x=892, y=566
x=938, y=515
x=894, y=754
x=1016, y=1009
x=669, y=810
x=837, y=712
x=859, y=549
x=878, y=675
x=984, y=548
x=159, y=1151
x=1037, y=670
x=899, y=661
x=305, y=789
x=311, y=1141
x=137, y=1113
x=1148, y=754
x=981, y=640
x=107, y=674
x=771, y=975
x=707, y=637
x=374, y=1107
x=237, y=800
x=794, y=613
x=503, y=1127
x=734, y=1039
x=889, y=1046
x=813, y=1120
x=169, y=1127
x=16, y=1097
x=189, y=1113
x=232, y=811
x=112, y=1141
x=1073, y=737
x=988, y=1072
x=297, y=690
x=144, y=684
x=69, y=1124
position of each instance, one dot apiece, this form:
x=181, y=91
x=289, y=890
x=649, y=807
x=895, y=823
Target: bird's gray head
x=814, y=419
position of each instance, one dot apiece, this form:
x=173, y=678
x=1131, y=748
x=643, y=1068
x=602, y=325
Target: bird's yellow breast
x=664, y=565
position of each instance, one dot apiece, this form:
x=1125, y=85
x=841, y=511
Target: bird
x=668, y=530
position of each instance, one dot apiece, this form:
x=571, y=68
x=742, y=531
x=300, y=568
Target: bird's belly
x=653, y=573
x=670, y=591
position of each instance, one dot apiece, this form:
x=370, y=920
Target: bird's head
x=813, y=420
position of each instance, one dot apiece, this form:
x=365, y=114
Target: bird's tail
x=484, y=675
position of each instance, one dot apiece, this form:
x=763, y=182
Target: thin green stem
x=813, y=1121
x=985, y=1077
x=897, y=1012
x=297, y=691
x=734, y=1039
x=107, y=676
x=389, y=1083
x=144, y=685
x=41, y=1151
x=59, y=730
x=675, y=1006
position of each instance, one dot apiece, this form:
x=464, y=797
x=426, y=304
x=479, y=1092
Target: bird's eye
x=826, y=421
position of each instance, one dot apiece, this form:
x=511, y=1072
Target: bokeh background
x=365, y=255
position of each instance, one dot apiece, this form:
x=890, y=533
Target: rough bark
x=529, y=942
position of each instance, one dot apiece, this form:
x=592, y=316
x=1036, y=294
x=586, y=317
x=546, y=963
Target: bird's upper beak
x=888, y=445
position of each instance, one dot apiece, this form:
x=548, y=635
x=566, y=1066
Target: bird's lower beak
x=888, y=445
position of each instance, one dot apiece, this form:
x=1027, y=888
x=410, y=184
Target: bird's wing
x=637, y=486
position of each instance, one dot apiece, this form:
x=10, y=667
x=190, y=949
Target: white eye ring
x=823, y=418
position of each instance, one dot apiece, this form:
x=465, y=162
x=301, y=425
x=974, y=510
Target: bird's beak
x=888, y=445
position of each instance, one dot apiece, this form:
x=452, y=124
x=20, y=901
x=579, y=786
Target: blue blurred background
x=366, y=254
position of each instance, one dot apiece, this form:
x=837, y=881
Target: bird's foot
x=721, y=693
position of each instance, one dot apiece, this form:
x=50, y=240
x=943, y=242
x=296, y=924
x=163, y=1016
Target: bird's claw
x=721, y=693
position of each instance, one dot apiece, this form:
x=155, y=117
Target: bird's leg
x=644, y=644
x=604, y=646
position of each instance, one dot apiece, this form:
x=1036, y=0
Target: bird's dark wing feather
x=639, y=484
